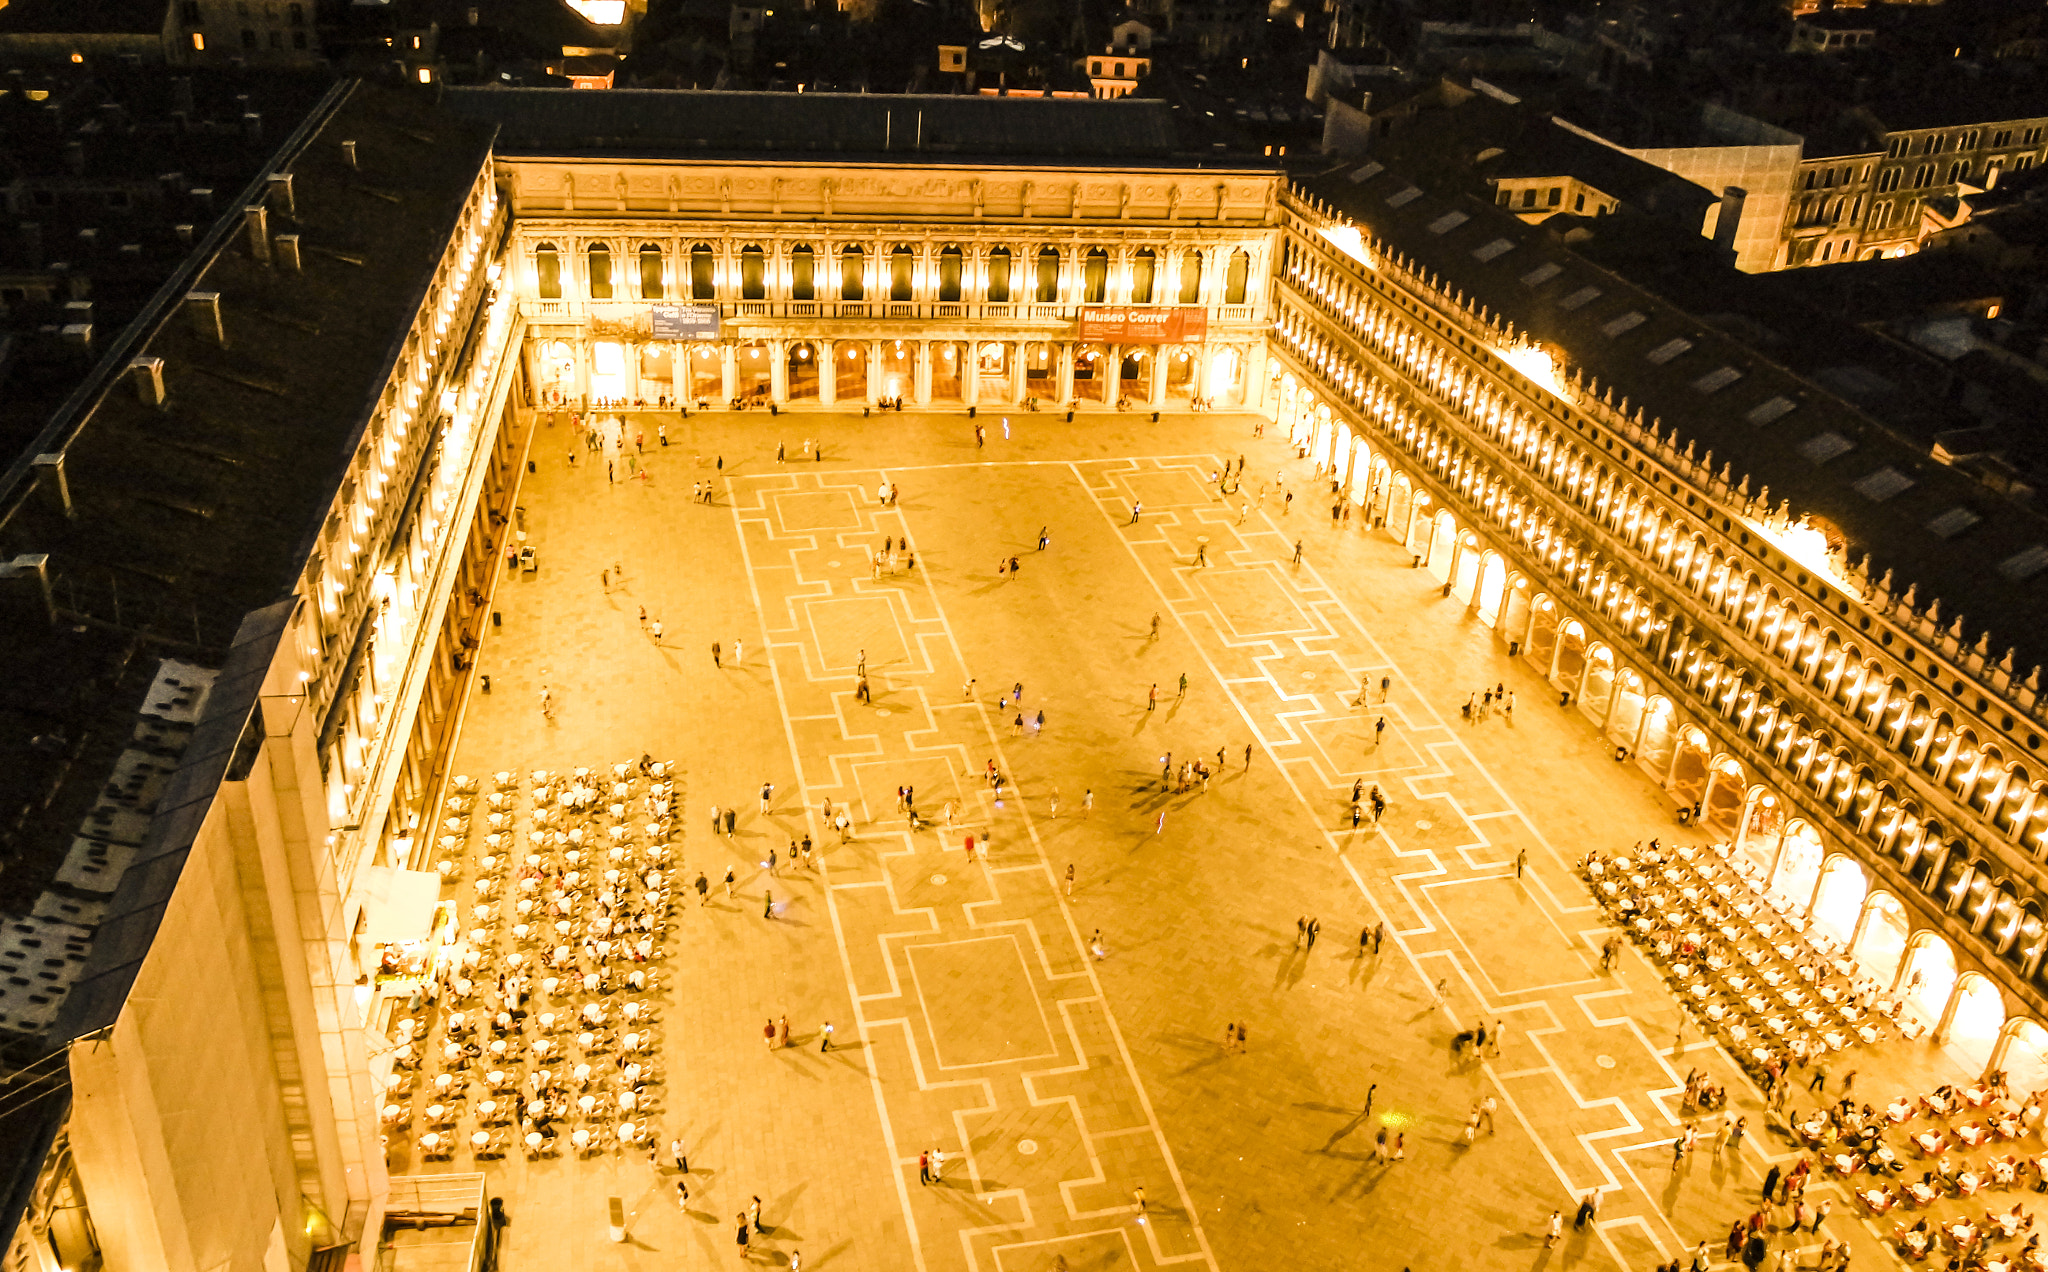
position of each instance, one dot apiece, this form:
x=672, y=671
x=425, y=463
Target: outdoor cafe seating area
x=539, y=1034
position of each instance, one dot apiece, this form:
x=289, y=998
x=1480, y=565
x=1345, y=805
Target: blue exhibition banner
x=685, y=322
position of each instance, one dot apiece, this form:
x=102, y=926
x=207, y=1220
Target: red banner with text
x=1140, y=325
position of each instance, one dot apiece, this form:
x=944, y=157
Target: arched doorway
x=1398, y=501
x=1091, y=373
x=1465, y=569
x=1442, y=549
x=993, y=376
x=1657, y=739
x=899, y=369
x=1690, y=767
x=1541, y=647
x=2025, y=1058
x=1976, y=1019
x=1723, y=804
x=555, y=370
x=1041, y=371
x=949, y=371
x=1839, y=902
x=706, y=373
x=1492, y=588
x=1930, y=976
x=1625, y=713
x=657, y=370
x=751, y=373
x=1883, y=942
x=1224, y=384
x=1134, y=375
x=610, y=377
x=801, y=371
x=1799, y=861
x=1596, y=686
x=850, y=371
x=1180, y=374
x=1571, y=655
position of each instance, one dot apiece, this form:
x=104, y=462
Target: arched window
x=1048, y=290
x=1191, y=278
x=802, y=276
x=851, y=285
x=1141, y=276
x=902, y=271
x=1238, y=279
x=753, y=273
x=998, y=291
x=600, y=258
x=703, y=273
x=949, y=275
x=1095, y=277
x=547, y=271
x=650, y=271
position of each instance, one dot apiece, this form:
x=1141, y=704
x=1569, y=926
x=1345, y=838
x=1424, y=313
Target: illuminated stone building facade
x=1776, y=636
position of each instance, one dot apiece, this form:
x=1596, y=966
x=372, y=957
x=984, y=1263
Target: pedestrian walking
x=547, y=703
x=754, y=1214
x=1300, y=930
x=1315, y=926
x=924, y=1167
x=1138, y=1195
x=1552, y=1229
x=1735, y=1134
x=1183, y=686
x=1297, y=546
x=938, y=1164
x=1070, y=879
x=1379, y=1147
x=715, y=652
x=1137, y=507
x=1364, y=940
x=742, y=1236
x=1379, y=933
x=1152, y=697
x=1521, y=860
x=1588, y=1206
x=680, y=1152
x=737, y=653
x=767, y=794
x=1155, y=626
x=1437, y=994
x=1771, y=1183
x=1486, y=1111
x=782, y=1033
x=768, y=1034
x=825, y=1037
x=767, y=904
x=1369, y=1093
x=654, y=629
x=1087, y=801
x=728, y=883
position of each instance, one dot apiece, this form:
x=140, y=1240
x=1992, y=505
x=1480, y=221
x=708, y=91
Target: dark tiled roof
x=194, y=515
x=690, y=123
x=1721, y=380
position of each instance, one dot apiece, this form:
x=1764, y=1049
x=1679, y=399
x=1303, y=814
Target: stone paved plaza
x=968, y=1012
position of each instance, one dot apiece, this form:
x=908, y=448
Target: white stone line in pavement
x=831, y=905
x=1287, y=775
x=969, y=1234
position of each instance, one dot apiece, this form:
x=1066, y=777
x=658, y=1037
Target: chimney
x=114, y=116
x=348, y=153
x=184, y=233
x=32, y=243
x=88, y=243
x=25, y=600
x=252, y=125
x=181, y=93
x=256, y=221
x=74, y=157
x=50, y=479
x=203, y=196
x=148, y=377
x=1732, y=199
x=77, y=336
x=204, y=310
x=78, y=311
x=287, y=246
x=281, y=196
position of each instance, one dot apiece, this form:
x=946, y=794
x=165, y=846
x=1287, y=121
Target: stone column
x=1018, y=391
x=1066, y=377
x=828, y=375
x=1948, y=1013
x=874, y=371
x=729, y=370
x=970, y=377
x=1198, y=374
x=1155, y=389
x=778, y=372
x=921, y=374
